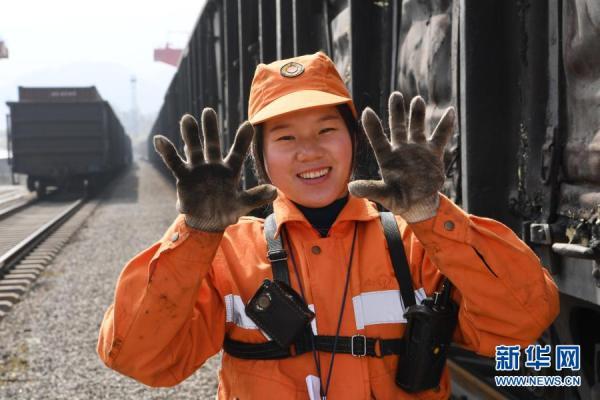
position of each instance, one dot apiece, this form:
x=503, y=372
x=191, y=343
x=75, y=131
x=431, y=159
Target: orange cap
x=295, y=84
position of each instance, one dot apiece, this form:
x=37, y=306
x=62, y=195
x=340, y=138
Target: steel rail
x=10, y=210
x=20, y=250
x=8, y=197
x=471, y=383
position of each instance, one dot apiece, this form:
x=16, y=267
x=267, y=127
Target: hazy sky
x=102, y=43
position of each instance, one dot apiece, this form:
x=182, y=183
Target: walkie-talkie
x=428, y=335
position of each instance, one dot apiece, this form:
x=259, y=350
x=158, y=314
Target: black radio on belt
x=428, y=334
x=279, y=311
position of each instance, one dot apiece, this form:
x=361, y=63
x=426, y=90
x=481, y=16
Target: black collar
x=323, y=217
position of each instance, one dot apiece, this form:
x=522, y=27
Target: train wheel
x=31, y=184
x=90, y=185
x=40, y=189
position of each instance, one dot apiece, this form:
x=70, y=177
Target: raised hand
x=412, y=167
x=207, y=185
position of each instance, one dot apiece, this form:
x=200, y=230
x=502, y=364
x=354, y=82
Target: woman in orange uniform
x=180, y=300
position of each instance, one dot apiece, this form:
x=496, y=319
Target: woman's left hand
x=412, y=167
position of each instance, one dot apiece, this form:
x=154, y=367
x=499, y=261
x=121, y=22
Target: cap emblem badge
x=292, y=69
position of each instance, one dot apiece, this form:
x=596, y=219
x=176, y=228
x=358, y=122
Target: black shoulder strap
x=275, y=251
x=398, y=256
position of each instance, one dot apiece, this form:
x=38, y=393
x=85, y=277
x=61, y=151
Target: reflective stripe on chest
x=382, y=307
x=370, y=308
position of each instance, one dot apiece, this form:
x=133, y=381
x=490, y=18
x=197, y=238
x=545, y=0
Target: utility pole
x=4, y=54
x=3, y=50
x=134, y=107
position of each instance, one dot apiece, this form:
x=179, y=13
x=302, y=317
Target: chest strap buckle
x=277, y=255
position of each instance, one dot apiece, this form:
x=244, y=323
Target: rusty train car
x=64, y=136
x=524, y=77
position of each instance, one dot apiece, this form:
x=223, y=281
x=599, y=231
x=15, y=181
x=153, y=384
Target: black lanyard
x=341, y=315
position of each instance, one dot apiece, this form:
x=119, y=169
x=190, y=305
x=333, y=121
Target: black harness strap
x=357, y=345
x=398, y=255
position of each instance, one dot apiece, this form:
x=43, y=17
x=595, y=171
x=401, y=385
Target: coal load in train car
x=65, y=137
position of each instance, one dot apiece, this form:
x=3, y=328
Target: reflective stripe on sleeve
x=381, y=307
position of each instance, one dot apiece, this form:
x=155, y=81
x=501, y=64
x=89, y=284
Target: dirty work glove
x=207, y=185
x=412, y=170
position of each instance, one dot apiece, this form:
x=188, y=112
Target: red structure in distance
x=168, y=55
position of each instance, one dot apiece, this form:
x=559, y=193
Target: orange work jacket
x=176, y=301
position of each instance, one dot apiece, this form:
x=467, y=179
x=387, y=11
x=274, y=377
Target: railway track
x=467, y=386
x=31, y=234
x=13, y=198
x=10, y=191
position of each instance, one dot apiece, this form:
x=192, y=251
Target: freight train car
x=524, y=77
x=65, y=136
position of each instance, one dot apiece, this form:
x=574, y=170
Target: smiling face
x=308, y=155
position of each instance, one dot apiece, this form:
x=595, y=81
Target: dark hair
x=257, y=143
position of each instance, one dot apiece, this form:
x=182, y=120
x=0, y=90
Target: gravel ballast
x=48, y=340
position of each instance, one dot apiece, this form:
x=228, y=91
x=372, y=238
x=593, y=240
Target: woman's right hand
x=207, y=184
